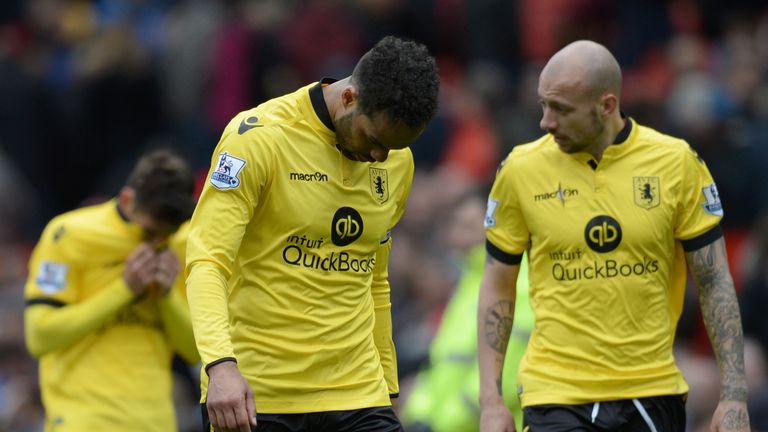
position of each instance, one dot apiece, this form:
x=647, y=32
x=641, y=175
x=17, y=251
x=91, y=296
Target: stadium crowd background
x=86, y=86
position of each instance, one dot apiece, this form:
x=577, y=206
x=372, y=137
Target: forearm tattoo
x=498, y=325
x=720, y=310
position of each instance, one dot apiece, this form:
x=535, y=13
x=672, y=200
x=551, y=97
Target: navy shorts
x=377, y=419
x=655, y=414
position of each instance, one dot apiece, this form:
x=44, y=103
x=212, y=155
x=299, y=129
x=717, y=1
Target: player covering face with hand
x=106, y=309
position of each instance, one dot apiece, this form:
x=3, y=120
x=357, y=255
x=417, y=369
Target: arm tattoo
x=496, y=316
x=720, y=310
x=498, y=325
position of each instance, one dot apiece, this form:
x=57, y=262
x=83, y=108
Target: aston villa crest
x=379, y=184
x=647, y=192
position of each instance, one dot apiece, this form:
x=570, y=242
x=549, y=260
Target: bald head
x=587, y=65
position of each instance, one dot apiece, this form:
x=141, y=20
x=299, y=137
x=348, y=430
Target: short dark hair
x=164, y=187
x=398, y=77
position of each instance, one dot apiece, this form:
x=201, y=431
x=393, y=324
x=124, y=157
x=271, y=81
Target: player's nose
x=379, y=155
x=548, y=122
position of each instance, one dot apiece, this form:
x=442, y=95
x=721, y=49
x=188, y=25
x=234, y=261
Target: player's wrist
x=734, y=393
x=490, y=401
x=164, y=293
x=222, y=364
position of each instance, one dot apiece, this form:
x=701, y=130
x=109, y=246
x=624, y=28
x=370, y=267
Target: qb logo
x=602, y=234
x=346, y=226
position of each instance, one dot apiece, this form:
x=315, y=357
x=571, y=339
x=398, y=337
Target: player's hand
x=166, y=269
x=496, y=418
x=230, y=403
x=139, y=271
x=730, y=416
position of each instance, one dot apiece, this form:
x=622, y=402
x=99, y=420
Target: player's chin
x=363, y=158
x=565, y=147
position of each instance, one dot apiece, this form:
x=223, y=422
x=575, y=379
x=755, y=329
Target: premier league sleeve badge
x=226, y=173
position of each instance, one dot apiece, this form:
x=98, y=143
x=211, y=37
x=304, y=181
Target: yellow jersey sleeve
x=380, y=289
x=240, y=169
x=53, y=266
x=382, y=330
x=173, y=307
x=700, y=208
x=54, y=317
x=505, y=225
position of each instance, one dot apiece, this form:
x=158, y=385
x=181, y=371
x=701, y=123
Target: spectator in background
x=445, y=396
x=105, y=304
x=607, y=286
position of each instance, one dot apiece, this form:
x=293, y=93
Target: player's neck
x=332, y=96
x=612, y=129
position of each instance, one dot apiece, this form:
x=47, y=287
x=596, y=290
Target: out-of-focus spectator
x=445, y=394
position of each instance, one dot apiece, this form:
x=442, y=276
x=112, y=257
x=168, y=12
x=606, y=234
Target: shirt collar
x=625, y=131
x=318, y=102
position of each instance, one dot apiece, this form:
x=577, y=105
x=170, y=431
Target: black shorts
x=377, y=419
x=657, y=414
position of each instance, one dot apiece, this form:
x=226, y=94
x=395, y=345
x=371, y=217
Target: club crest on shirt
x=52, y=277
x=379, y=184
x=712, y=204
x=225, y=174
x=647, y=192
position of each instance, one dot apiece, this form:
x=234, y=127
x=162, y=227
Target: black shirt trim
x=318, y=102
x=45, y=301
x=625, y=131
x=506, y=258
x=705, y=239
x=394, y=395
x=221, y=360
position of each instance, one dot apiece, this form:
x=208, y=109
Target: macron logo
x=309, y=177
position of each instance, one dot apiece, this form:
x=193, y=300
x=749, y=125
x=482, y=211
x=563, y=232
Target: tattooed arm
x=494, y=325
x=720, y=309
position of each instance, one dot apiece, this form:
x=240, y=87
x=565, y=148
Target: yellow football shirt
x=287, y=260
x=607, y=266
x=116, y=377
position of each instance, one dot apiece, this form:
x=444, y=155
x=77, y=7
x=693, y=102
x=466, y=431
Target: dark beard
x=343, y=128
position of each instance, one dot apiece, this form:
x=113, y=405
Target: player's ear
x=126, y=199
x=349, y=96
x=609, y=103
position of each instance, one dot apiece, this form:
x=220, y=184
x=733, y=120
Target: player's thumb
x=250, y=406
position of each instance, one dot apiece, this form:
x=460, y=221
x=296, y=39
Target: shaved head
x=579, y=92
x=585, y=65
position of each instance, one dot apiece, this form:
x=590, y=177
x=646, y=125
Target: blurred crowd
x=88, y=85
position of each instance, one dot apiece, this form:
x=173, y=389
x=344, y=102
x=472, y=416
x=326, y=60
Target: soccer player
x=288, y=249
x=610, y=212
x=105, y=304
